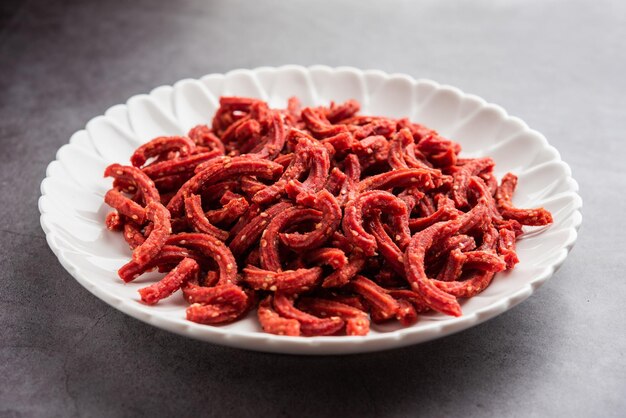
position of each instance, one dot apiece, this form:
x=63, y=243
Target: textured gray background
x=559, y=65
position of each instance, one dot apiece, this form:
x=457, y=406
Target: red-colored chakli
x=329, y=219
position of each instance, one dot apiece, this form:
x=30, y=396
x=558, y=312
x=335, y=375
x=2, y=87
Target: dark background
x=559, y=65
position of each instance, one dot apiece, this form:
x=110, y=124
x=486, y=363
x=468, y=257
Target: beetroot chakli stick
x=321, y=219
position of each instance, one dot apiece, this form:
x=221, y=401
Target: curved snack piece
x=309, y=325
x=330, y=220
x=125, y=206
x=532, y=217
x=367, y=203
x=357, y=321
x=289, y=281
x=161, y=146
x=184, y=271
x=137, y=178
x=275, y=324
x=202, y=136
x=197, y=218
x=210, y=247
x=161, y=229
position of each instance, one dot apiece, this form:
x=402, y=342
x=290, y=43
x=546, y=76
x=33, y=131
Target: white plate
x=73, y=212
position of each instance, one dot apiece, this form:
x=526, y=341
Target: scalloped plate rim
x=259, y=341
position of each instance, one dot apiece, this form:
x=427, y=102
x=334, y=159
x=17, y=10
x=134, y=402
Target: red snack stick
x=426, y=206
x=162, y=145
x=330, y=219
x=250, y=233
x=273, y=323
x=203, y=136
x=340, y=143
x=357, y=322
x=211, y=279
x=253, y=211
x=397, y=147
x=403, y=177
x=214, y=192
x=309, y=325
x=133, y=235
x=160, y=218
x=445, y=211
x=285, y=159
x=367, y=202
x=402, y=152
x=489, y=238
x=212, y=248
x=532, y=217
x=410, y=196
x=406, y=314
x=268, y=251
x=484, y=260
x=453, y=267
x=386, y=247
x=169, y=255
x=417, y=130
x=318, y=124
x=213, y=314
x=318, y=164
x=125, y=206
x=506, y=247
x=385, y=305
x=337, y=113
x=462, y=176
x=274, y=140
x=251, y=186
x=350, y=188
x=333, y=257
x=180, y=166
x=411, y=296
x=114, y=221
x=126, y=186
x=378, y=127
x=228, y=294
x=221, y=169
x=490, y=180
x=231, y=109
x=229, y=196
x=461, y=241
x=414, y=260
x=198, y=220
x=354, y=301
x=137, y=177
x=228, y=214
x=335, y=181
x=294, y=108
x=340, y=241
x=471, y=286
x=296, y=167
x=342, y=276
x=372, y=150
x=288, y=281
x=221, y=312
x=439, y=151
x=185, y=270
x=241, y=131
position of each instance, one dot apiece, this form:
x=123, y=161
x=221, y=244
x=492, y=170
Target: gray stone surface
x=559, y=65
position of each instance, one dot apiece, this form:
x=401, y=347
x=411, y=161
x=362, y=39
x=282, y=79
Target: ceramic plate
x=73, y=211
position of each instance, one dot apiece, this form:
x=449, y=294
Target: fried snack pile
x=322, y=219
